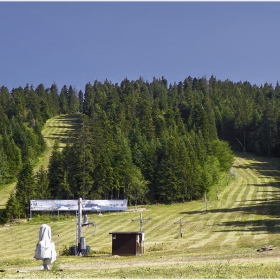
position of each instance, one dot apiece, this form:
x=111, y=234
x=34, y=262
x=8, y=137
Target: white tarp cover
x=45, y=248
x=72, y=205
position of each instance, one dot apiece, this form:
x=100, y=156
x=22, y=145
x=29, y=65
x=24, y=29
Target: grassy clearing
x=220, y=243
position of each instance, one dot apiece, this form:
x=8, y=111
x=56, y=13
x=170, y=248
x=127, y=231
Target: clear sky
x=73, y=43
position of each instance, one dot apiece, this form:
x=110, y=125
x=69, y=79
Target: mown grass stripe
x=231, y=237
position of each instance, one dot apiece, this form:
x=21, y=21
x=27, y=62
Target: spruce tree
x=43, y=184
x=26, y=188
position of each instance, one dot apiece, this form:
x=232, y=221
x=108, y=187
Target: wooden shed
x=127, y=243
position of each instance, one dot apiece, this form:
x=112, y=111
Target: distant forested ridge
x=143, y=141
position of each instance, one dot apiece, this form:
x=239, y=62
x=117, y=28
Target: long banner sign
x=72, y=205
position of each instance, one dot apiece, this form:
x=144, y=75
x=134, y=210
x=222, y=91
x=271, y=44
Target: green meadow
x=234, y=233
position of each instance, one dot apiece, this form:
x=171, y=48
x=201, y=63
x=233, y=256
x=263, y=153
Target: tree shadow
x=69, y=131
x=265, y=167
x=266, y=225
x=268, y=207
x=70, y=127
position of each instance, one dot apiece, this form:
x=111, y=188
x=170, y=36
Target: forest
x=144, y=141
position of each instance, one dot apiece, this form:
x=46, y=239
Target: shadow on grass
x=262, y=226
x=73, y=119
x=268, y=207
x=258, y=200
x=275, y=184
x=62, y=138
x=269, y=224
x=265, y=167
x=70, y=127
x=69, y=131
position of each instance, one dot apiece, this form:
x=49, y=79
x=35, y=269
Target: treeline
x=146, y=141
x=142, y=141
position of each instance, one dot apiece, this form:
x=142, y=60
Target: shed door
x=123, y=244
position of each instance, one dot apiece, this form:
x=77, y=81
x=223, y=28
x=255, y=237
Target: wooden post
x=206, y=203
x=181, y=226
x=141, y=220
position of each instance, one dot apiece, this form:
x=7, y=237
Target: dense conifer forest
x=147, y=142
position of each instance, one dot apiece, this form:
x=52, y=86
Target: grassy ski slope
x=61, y=128
x=237, y=237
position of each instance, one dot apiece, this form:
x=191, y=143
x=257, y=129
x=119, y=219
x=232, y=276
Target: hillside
x=223, y=242
x=61, y=128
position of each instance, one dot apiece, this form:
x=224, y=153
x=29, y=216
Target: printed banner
x=72, y=205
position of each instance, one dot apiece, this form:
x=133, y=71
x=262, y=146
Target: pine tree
x=4, y=165
x=122, y=166
x=81, y=101
x=137, y=187
x=168, y=185
x=4, y=121
x=12, y=210
x=14, y=157
x=54, y=170
x=82, y=161
x=63, y=100
x=42, y=184
x=72, y=100
x=53, y=100
x=88, y=100
x=26, y=188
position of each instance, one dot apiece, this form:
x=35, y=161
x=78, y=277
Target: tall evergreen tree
x=54, y=170
x=14, y=157
x=53, y=100
x=63, y=100
x=26, y=188
x=42, y=184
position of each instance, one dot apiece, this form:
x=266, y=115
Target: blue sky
x=73, y=43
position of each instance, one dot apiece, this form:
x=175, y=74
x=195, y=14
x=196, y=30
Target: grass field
x=225, y=241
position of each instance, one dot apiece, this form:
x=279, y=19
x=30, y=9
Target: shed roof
x=127, y=232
